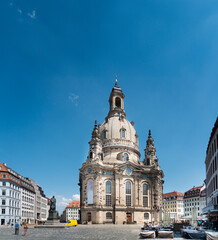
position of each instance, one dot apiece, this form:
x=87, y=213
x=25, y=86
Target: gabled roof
x=74, y=204
x=3, y=167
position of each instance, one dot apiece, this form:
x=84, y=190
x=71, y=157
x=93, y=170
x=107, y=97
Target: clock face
x=89, y=170
x=128, y=171
x=93, y=145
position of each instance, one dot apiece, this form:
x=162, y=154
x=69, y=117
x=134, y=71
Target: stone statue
x=52, y=211
x=52, y=204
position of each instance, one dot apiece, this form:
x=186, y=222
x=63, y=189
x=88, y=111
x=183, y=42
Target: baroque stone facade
x=115, y=186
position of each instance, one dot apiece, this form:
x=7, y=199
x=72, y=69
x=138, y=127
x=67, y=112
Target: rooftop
x=74, y=204
x=173, y=194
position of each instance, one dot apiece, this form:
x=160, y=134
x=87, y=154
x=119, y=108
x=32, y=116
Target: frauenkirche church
x=115, y=186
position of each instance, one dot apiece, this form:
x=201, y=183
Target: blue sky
x=58, y=61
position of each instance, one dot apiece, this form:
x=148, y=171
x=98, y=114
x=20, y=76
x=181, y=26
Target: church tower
x=150, y=152
x=115, y=186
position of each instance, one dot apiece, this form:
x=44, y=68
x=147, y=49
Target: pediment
x=129, y=164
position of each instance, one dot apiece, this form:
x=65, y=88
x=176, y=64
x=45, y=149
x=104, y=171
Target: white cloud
x=19, y=10
x=32, y=15
x=74, y=99
x=62, y=202
x=76, y=197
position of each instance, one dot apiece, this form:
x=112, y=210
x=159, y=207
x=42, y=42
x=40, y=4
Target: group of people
x=17, y=226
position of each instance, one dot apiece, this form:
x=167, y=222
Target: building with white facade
x=44, y=208
x=27, y=201
x=18, y=198
x=72, y=211
x=10, y=195
x=194, y=198
x=173, y=204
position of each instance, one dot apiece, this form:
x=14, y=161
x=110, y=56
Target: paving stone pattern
x=91, y=232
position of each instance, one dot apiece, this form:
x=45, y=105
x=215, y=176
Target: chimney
x=4, y=164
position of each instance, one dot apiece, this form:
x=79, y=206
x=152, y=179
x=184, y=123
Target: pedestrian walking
x=16, y=228
x=25, y=227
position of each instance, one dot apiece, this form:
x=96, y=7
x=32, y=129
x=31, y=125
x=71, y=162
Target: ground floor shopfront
x=9, y=220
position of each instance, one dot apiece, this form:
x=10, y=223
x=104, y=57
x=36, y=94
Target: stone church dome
x=120, y=130
x=116, y=132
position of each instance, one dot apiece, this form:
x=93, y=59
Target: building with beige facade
x=115, y=186
x=173, y=204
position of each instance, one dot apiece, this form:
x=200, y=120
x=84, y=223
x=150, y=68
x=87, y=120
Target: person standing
x=16, y=228
x=25, y=227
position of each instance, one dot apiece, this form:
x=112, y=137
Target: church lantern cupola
x=116, y=101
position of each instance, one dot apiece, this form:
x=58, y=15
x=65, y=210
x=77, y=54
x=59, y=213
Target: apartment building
x=173, y=204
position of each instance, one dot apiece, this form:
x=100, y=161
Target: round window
x=89, y=170
x=128, y=171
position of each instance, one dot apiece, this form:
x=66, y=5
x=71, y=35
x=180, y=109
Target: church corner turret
x=95, y=145
x=150, y=152
x=115, y=186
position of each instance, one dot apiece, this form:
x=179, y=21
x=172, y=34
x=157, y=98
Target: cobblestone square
x=91, y=232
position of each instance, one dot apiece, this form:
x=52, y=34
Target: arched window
x=146, y=215
x=128, y=193
x=125, y=157
x=90, y=191
x=145, y=195
x=90, y=155
x=148, y=161
x=108, y=193
x=117, y=102
x=108, y=215
x=123, y=133
x=104, y=134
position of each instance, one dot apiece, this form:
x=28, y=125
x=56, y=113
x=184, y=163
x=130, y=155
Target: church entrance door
x=128, y=218
x=89, y=217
